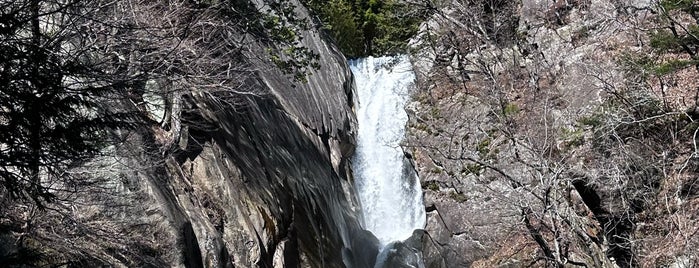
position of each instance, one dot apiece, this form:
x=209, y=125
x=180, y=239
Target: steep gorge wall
x=271, y=186
x=259, y=179
x=510, y=132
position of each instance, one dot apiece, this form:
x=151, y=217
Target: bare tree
x=497, y=116
x=92, y=93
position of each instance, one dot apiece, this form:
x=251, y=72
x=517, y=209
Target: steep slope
x=291, y=151
x=543, y=137
x=258, y=178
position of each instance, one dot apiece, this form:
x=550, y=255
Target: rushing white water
x=388, y=189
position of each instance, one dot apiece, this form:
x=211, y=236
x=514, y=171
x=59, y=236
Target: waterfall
x=388, y=189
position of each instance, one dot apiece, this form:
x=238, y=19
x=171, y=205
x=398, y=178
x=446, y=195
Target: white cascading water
x=389, y=192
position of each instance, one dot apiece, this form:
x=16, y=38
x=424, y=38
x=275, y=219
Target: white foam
x=389, y=191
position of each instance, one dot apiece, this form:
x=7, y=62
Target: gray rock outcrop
x=527, y=153
x=275, y=170
x=256, y=178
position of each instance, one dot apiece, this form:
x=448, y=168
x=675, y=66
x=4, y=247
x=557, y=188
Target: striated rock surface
x=286, y=167
x=275, y=172
x=253, y=179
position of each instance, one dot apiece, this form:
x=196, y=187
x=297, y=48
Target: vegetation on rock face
x=71, y=70
x=281, y=25
x=677, y=35
x=52, y=96
x=590, y=159
x=369, y=27
x=580, y=142
x=82, y=83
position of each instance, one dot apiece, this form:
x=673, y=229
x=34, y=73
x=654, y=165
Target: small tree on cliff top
x=370, y=27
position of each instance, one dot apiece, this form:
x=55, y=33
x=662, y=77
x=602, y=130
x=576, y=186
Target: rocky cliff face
x=286, y=168
x=276, y=172
x=259, y=179
x=533, y=139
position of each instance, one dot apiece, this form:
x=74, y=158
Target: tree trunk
x=34, y=114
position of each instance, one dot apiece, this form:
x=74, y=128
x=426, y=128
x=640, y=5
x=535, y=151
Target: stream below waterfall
x=388, y=189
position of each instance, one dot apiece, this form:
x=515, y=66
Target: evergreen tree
x=678, y=34
x=72, y=72
x=369, y=27
x=49, y=116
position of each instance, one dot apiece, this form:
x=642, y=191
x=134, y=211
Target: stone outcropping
x=528, y=155
x=273, y=170
x=258, y=179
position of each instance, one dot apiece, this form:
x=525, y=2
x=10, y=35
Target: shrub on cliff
x=677, y=35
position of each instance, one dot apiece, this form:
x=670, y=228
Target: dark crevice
x=589, y=197
x=690, y=189
x=226, y=259
x=198, y=133
x=617, y=228
x=192, y=253
x=164, y=192
x=291, y=249
x=194, y=147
